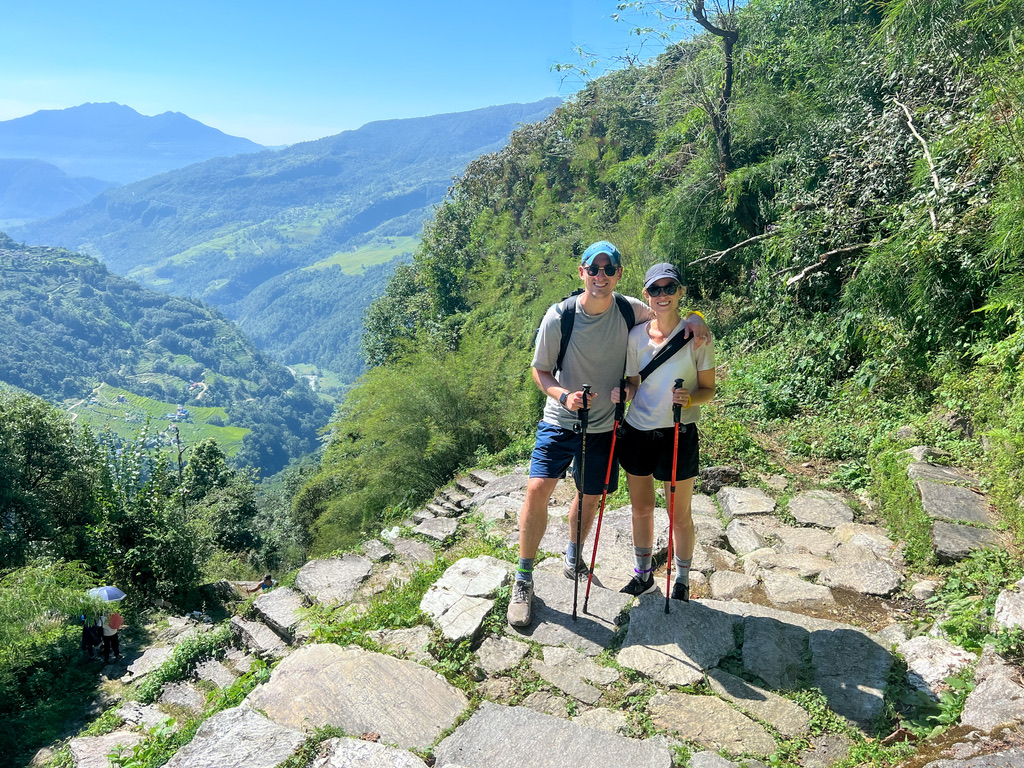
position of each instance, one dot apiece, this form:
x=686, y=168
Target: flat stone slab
x=346, y=753
x=499, y=508
x=183, y=695
x=615, y=561
x=145, y=716
x=930, y=660
x=359, y=691
x=214, y=672
x=258, y=637
x=812, y=540
x=541, y=741
x=151, y=659
x=729, y=585
x=792, y=593
x=610, y=720
x=1010, y=607
x=552, y=624
x=376, y=550
x=333, y=581
x=789, y=719
x=821, y=508
x=568, y=670
x=708, y=529
x=238, y=738
x=412, y=642
x=1007, y=758
x=437, y=528
x=676, y=648
x=506, y=485
x=998, y=696
x=955, y=542
x=459, y=601
x=742, y=537
x=923, y=470
x=414, y=551
x=281, y=610
x=498, y=654
x=710, y=722
x=92, y=751
x=955, y=504
x=867, y=578
x=738, y=502
x=802, y=563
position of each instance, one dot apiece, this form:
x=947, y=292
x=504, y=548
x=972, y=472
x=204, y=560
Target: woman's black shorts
x=650, y=453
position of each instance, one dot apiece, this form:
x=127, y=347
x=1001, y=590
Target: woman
x=646, y=446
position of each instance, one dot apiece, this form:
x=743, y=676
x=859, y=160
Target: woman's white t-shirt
x=652, y=406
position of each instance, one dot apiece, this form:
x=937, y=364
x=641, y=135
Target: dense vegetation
x=848, y=211
x=223, y=229
x=73, y=325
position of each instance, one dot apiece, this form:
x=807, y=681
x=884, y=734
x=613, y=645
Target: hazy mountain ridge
x=34, y=189
x=113, y=141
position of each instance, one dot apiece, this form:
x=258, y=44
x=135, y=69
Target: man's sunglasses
x=669, y=290
x=593, y=270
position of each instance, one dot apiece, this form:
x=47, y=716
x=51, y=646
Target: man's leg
x=533, y=517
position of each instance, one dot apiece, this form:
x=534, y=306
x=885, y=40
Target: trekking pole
x=584, y=417
x=676, y=408
x=620, y=410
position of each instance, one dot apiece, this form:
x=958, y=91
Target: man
x=595, y=355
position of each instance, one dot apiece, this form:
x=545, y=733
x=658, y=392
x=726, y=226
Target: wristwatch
x=563, y=397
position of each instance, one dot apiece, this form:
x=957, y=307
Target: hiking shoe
x=520, y=606
x=581, y=572
x=638, y=586
x=681, y=591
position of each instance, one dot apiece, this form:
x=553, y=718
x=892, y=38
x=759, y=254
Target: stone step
x=468, y=485
x=483, y=476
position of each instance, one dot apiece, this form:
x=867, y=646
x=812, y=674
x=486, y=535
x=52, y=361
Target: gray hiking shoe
x=521, y=605
x=580, y=573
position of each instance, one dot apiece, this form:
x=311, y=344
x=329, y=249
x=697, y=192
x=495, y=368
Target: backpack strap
x=569, y=317
x=676, y=343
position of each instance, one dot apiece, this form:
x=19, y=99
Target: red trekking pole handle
x=676, y=413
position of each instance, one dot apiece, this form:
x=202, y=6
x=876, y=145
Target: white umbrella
x=107, y=594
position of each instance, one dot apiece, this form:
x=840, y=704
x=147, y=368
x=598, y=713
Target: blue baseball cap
x=602, y=246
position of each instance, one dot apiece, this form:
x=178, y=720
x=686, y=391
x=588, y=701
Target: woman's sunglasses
x=669, y=290
x=593, y=269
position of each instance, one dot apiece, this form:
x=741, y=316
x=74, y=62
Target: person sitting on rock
x=268, y=583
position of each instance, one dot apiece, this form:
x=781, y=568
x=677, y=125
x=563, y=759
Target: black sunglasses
x=593, y=269
x=670, y=289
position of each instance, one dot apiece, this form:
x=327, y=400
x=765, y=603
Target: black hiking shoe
x=681, y=591
x=580, y=573
x=638, y=586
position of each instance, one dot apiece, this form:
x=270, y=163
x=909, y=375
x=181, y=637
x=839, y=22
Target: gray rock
x=334, y=580
x=729, y=585
x=870, y=536
x=360, y=691
x=922, y=470
x=414, y=551
x=792, y=593
x=546, y=703
x=483, y=477
x=922, y=452
x=92, y=751
x=238, y=738
x=345, y=753
x=507, y=485
x=789, y=719
x=868, y=578
x=145, y=716
x=437, y=528
x=923, y=590
x=955, y=504
x=708, y=759
x=1005, y=758
x=422, y=514
x=184, y=696
x=412, y=642
x=777, y=483
x=930, y=660
x=821, y=508
x=593, y=630
x=713, y=479
x=703, y=506
x=742, y=537
x=997, y=698
x=825, y=751
x=375, y=550
x=710, y=722
x=541, y=742
x=676, y=648
x=1010, y=607
x=281, y=610
x=258, y=638
x=238, y=660
x=461, y=599
x=853, y=554
x=214, y=672
x=802, y=564
x=479, y=576
x=499, y=508
x=603, y=719
x=151, y=659
x=738, y=502
x=709, y=530
x=567, y=670
x=498, y=654
x=907, y=432
x=812, y=540
x=955, y=542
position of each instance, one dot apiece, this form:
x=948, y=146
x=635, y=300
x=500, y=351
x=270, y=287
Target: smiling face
x=663, y=303
x=600, y=285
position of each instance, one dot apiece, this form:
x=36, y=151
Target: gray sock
x=682, y=570
x=570, y=553
x=642, y=557
x=525, y=572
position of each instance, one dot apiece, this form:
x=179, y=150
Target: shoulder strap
x=676, y=343
x=626, y=309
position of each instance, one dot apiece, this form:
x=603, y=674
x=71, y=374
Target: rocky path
x=785, y=598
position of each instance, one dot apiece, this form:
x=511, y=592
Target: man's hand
x=574, y=402
x=695, y=326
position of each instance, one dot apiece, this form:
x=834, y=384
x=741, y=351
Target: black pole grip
x=676, y=408
x=584, y=414
x=620, y=407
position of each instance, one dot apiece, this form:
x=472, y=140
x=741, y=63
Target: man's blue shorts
x=556, y=448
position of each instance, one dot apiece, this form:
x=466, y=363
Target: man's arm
x=697, y=328
x=549, y=385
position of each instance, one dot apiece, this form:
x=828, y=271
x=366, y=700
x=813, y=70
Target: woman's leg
x=683, y=537
x=641, y=498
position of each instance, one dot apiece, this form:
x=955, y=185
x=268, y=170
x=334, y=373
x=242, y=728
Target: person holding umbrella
x=111, y=622
x=649, y=448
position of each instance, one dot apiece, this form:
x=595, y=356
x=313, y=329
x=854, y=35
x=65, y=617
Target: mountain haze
x=34, y=189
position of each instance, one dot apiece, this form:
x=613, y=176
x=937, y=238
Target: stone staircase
x=776, y=607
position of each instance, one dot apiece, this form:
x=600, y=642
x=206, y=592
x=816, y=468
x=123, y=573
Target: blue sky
x=280, y=73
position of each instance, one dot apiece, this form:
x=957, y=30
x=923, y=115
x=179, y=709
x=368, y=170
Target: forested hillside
x=72, y=325
x=844, y=195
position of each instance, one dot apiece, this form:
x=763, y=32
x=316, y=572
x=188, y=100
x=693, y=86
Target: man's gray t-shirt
x=595, y=356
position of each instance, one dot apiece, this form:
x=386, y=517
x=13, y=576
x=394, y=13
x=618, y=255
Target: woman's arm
x=704, y=393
